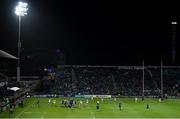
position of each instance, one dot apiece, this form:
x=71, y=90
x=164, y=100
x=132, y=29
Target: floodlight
x=21, y=9
x=173, y=22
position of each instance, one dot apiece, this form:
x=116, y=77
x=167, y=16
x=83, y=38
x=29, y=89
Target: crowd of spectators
x=113, y=80
x=8, y=97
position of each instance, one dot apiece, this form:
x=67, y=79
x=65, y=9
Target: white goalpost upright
x=161, y=79
x=142, y=80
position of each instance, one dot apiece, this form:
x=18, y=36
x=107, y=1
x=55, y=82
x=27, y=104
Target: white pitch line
x=27, y=112
x=23, y=111
x=20, y=114
x=43, y=115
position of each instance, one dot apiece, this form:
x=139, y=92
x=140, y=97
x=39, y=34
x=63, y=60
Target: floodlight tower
x=174, y=24
x=21, y=10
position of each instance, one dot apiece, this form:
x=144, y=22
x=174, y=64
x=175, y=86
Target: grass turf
x=108, y=109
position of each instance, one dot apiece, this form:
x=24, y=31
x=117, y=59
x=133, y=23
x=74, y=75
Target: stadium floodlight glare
x=173, y=22
x=21, y=9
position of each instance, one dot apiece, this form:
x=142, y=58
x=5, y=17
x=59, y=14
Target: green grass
x=108, y=109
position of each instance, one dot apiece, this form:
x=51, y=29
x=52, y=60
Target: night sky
x=92, y=32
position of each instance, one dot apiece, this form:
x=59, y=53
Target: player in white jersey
x=160, y=100
x=136, y=99
x=54, y=102
x=87, y=101
x=102, y=99
x=49, y=101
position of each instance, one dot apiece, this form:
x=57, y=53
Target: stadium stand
x=113, y=80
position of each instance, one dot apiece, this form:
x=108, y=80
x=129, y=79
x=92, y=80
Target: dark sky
x=92, y=32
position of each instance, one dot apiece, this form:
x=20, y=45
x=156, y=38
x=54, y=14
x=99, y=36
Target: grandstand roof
x=4, y=54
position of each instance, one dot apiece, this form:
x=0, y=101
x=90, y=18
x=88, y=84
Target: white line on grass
x=20, y=114
x=43, y=115
x=23, y=111
x=27, y=112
